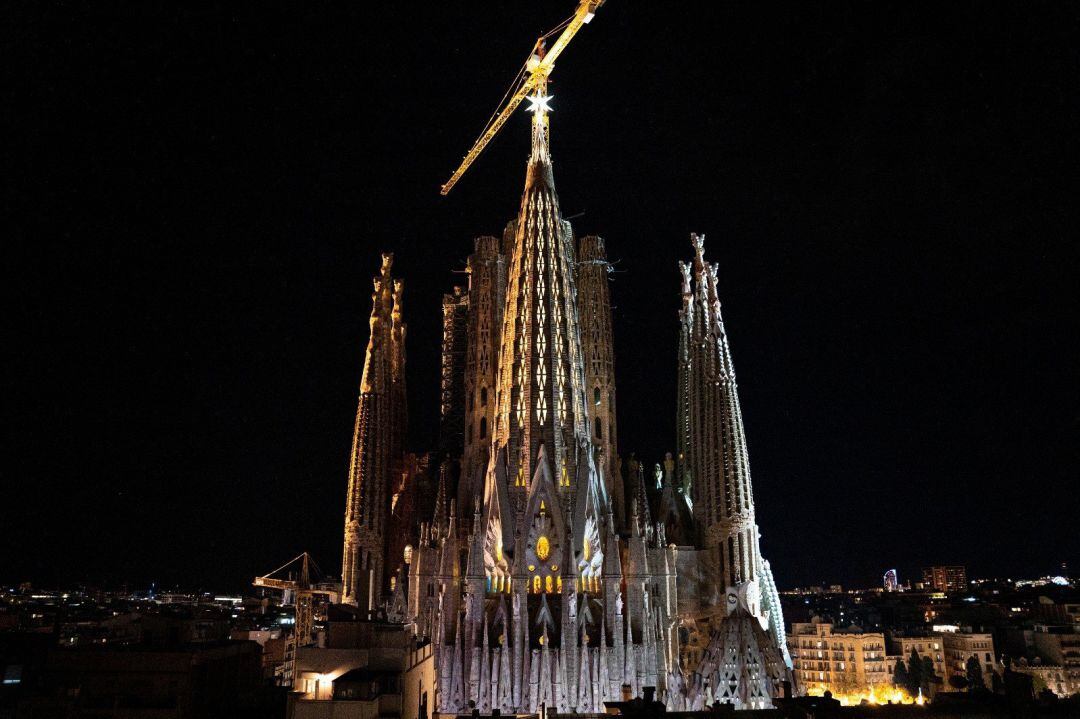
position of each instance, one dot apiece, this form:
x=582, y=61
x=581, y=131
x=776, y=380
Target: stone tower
x=746, y=661
x=526, y=591
x=487, y=289
x=377, y=450
x=455, y=307
x=594, y=301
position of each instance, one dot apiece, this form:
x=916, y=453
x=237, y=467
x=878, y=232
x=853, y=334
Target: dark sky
x=199, y=198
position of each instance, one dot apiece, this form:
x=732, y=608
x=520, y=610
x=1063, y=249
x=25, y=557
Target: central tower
x=522, y=590
x=542, y=462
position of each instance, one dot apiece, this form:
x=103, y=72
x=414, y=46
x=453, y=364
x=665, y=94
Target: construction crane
x=531, y=78
x=297, y=582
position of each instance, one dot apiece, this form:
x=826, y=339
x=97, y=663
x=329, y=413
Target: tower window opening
x=483, y=427
x=596, y=395
x=536, y=584
x=549, y=585
x=483, y=396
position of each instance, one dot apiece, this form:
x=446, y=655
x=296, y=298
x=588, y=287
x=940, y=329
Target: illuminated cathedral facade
x=542, y=568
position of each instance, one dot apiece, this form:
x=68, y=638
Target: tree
x=900, y=677
x=914, y=673
x=958, y=682
x=974, y=675
x=927, y=677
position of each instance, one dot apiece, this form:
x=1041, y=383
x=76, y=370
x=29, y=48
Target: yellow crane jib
x=533, y=75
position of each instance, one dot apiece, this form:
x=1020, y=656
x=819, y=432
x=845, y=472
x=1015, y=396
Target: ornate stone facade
x=543, y=576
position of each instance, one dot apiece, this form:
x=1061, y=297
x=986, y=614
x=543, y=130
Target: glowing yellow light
x=543, y=548
x=549, y=586
x=539, y=103
x=536, y=584
x=587, y=549
x=878, y=694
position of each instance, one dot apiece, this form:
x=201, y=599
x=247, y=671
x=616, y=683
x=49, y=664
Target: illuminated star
x=539, y=103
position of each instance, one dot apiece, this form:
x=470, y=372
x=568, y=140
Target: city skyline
x=905, y=381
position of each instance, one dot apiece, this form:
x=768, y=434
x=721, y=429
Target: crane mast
x=295, y=578
x=532, y=78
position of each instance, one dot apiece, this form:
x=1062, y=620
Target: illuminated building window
x=558, y=584
x=536, y=584
x=543, y=548
x=549, y=586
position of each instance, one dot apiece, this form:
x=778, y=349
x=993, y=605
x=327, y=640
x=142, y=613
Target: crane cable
x=515, y=84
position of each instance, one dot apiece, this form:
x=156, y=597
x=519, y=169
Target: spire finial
x=539, y=106
x=698, y=241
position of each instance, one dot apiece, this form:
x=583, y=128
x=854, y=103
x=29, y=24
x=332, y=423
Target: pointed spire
x=713, y=460
x=375, y=460
x=641, y=500
x=440, y=517
x=540, y=154
x=569, y=566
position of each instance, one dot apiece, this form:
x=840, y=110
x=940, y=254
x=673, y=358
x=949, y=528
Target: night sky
x=197, y=201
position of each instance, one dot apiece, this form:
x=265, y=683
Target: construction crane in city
x=294, y=579
x=531, y=80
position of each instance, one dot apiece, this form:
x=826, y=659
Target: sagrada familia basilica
x=543, y=569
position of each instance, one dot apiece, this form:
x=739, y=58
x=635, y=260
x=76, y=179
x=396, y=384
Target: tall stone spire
x=544, y=580
x=455, y=307
x=714, y=456
x=744, y=663
x=594, y=300
x=486, y=269
x=377, y=445
x=540, y=395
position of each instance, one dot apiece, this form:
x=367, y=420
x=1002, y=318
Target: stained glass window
x=543, y=548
